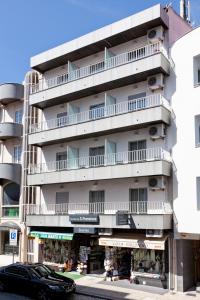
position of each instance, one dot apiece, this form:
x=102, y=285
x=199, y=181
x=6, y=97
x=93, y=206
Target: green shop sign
x=52, y=235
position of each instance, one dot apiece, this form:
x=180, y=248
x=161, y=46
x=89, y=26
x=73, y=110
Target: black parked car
x=35, y=280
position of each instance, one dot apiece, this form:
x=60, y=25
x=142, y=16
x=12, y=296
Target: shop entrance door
x=197, y=260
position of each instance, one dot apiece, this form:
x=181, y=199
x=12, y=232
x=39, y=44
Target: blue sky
x=28, y=27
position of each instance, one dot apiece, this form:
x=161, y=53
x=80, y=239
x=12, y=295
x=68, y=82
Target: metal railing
x=107, y=208
x=101, y=112
x=103, y=65
x=101, y=160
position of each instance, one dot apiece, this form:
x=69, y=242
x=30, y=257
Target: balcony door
x=61, y=160
x=137, y=150
x=137, y=101
x=138, y=200
x=96, y=156
x=96, y=202
x=97, y=111
x=61, y=119
x=62, y=200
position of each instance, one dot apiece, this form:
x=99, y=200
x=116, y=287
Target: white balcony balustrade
x=103, y=65
x=107, y=208
x=102, y=112
x=112, y=159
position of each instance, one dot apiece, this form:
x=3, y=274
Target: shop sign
x=122, y=218
x=127, y=243
x=84, y=219
x=52, y=235
x=85, y=230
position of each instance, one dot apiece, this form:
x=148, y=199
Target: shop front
x=77, y=251
x=140, y=259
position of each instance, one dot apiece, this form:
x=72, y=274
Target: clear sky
x=28, y=27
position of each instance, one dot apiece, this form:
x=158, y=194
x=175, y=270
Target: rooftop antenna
x=185, y=10
x=188, y=12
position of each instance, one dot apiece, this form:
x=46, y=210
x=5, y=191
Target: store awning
x=6, y=226
x=139, y=242
x=52, y=235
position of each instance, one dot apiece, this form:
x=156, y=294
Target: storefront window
x=148, y=261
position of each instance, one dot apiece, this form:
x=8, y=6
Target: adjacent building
x=11, y=132
x=185, y=131
x=99, y=190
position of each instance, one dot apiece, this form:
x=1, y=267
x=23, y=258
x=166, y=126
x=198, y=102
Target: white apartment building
x=11, y=131
x=186, y=175
x=100, y=150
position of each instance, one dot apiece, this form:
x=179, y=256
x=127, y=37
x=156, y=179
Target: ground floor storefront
x=120, y=255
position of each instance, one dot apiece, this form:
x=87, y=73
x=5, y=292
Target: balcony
x=107, y=119
x=10, y=92
x=146, y=162
x=10, y=130
x=119, y=70
x=114, y=34
x=10, y=172
x=145, y=214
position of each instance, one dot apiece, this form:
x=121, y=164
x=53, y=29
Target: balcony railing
x=107, y=208
x=112, y=159
x=103, y=65
x=102, y=112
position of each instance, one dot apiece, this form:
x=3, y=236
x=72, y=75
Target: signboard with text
x=13, y=237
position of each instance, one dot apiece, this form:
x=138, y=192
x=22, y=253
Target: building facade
x=11, y=133
x=186, y=133
x=99, y=187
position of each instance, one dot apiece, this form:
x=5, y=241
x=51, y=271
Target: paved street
x=6, y=296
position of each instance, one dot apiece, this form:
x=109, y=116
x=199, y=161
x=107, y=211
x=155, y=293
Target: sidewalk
x=96, y=287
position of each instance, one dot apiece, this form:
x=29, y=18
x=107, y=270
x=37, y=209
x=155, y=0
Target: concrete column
x=23, y=245
x=185, y=265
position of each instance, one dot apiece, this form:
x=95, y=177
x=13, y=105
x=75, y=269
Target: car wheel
x=42, y=295
x=2, y=286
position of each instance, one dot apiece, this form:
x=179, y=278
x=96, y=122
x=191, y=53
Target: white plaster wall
x=115, y=190
x=186, y=104
x=7, y=150
x=8, y=111
x=121, y=139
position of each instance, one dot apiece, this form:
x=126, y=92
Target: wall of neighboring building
x=186, y=105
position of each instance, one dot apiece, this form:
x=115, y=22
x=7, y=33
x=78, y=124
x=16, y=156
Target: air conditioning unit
x=155, y=34
x=154, y=233
x=157, y=183
x=158, y=131
x=105, y=231
x=155, y=82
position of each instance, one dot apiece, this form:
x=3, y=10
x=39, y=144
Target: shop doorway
x=197, y=261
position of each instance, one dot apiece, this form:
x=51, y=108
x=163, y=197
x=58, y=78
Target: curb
x=96, y=296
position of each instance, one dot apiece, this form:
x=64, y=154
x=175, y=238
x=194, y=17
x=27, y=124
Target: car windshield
x=40, y=271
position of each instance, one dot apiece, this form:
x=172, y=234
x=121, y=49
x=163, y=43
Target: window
x=12, y=270
x=97, y=111
x=96, y=201
x=18, y=116
x=137, y=101
x=61, y=160
x=138, y=200
x=197, y=130
x=61, y=119
x=198, y=192
x=17, y=153
x=196, y=70
x=96, y=156
x=62, y=200
x=137, y=150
